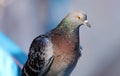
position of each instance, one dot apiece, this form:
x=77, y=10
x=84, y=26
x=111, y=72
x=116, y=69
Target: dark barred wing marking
x=40, y=57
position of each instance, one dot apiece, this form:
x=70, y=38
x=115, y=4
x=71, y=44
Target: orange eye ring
x=78, y=17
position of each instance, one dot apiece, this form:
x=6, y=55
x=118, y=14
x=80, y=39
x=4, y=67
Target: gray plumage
x=56, y=53
x=40, y=57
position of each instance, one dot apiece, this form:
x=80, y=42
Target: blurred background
x=22, y=20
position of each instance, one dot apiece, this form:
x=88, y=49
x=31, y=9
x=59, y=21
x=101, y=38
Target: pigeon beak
x=86, y=23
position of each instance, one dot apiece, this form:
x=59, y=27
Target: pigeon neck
x=67, y=31
x=65, y=39
x=68, y=28
x=70, y=33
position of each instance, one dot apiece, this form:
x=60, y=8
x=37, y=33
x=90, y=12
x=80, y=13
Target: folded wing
x=40, y=57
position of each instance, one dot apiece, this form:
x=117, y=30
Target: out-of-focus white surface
x=8, y=67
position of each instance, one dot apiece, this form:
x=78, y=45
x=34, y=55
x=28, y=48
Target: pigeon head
x=77, y=18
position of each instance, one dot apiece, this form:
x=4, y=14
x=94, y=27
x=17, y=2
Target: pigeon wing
x=40, y=57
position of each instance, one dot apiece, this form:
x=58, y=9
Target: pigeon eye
x=78, y=17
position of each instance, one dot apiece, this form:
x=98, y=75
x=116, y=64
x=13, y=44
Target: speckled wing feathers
x=40, y=57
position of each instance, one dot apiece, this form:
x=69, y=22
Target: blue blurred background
x=23, y=20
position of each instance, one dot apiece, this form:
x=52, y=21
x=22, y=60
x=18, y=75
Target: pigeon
x=57, y=52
